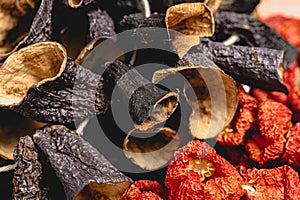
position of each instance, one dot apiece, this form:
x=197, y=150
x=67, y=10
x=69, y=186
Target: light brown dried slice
x=12, y=127
x=186, y=23
x=151, y=149
x=211, y=94
x=213, y=4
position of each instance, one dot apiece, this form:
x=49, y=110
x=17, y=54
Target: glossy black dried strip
x=253, y=32
x=142, y=94
x=75, y=161
x=28, y=171
x=254, y=66
x=76, y=94
x=239, y=6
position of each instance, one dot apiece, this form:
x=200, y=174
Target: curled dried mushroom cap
x=32, y=65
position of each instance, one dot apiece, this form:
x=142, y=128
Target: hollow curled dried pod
x=83, y=171
x=42, y=83
x=208, y=90
x=189, y=21
x=151, y=149
x=213, y=4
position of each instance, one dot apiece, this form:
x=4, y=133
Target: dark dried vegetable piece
x=253, y=32
x=146, y=190
x=83, y=171
x=161, y=6
x=257, y=67
x=40, y=82
x=198, y=172
x=78, y=3
x=239, y=6
x=148, y=104
x=277, y=183
x=28, y=171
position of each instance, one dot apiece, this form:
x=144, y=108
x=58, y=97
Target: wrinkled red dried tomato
x=245, y=117
x=145, y=190
x=277, y=183
x=292, y=148
x=198, y=172
x=267, y=144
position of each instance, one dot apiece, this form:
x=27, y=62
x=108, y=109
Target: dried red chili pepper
x=274, y=120
x=277, y=183
x=198, y=172
x=292, y=148
x=245, y=117
x=146, y=190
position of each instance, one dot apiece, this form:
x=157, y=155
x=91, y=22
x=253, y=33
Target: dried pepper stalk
x=146, y=190
x=211, y=94
x=274, y=122
x=148, y=104
x=10, y=133
x=154, y=152
x=292, y=147
x=28, y=171
x=198, y=172
x=83, y=171
x=189, y=21
x=277, y=183
x=40, y=82
x=253, y=32
x=257, y=67
x=245, y=118
x=239, y=6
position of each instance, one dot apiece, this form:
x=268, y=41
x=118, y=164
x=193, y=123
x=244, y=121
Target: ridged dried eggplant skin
x=253, y=32
x=239, y=6
x=76, y=94
x=28, y=171
x=257, y=67
x=75, y=161
x=137, y=20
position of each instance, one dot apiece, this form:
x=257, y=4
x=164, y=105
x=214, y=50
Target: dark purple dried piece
x=28, y=171
x=239, y=6
x=253, y=32
x=162, y=5
x=40, y=82
x=254, y=66
x=83, y=171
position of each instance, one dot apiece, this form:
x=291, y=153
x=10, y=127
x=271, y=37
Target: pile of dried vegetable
x=232, y=144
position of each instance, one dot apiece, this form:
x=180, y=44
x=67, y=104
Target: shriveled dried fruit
x=277, y=183
x=83, y=171
x=28, y=171
x=198, y=172
x=245, y=118
x=146, y=190
x=292, y=147
x=274, y=122
x=40, y=82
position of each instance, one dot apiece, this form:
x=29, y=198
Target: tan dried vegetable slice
x=213, y=4
x=150, y=151
x=186, y=23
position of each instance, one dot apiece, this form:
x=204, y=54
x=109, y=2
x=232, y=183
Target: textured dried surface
x=253, y=32
x=161, y=6
x=277, y=183
x=257, y=67
x=239, y=6
x=183, y=179
x=292, y=147
x=145, y=189
x=63, y=94
x=148, y=104
x=245, y=118
x=78, y=3
x=28, y=171
x=75, y=161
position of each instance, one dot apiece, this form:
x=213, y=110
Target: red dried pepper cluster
x=146, y=190
x=198, y=172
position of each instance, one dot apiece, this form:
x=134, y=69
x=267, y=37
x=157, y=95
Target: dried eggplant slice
x=82, y=170
x=239, y=6
x=10, y=133
x=161, y=6
x=188, y=22
x=28, y=171
x=253, y=32
x=211, y=94
x=254, y=66
x=213, y=4
x=148, y=104
x=153, y=152
x=40, y=82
